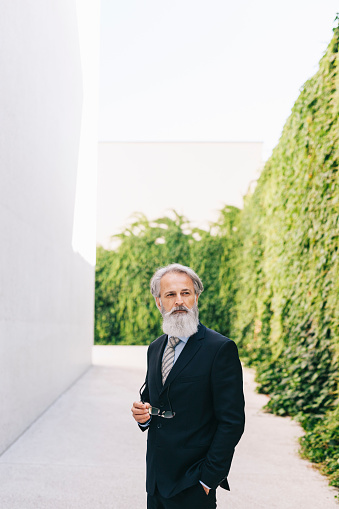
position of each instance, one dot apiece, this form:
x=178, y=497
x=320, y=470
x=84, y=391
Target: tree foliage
x=125, y=310
x=123, y=276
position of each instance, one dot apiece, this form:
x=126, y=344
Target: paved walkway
x=85, y=451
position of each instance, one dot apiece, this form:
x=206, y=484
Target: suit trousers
x=191, y=498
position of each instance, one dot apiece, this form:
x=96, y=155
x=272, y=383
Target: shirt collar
x=184, y=340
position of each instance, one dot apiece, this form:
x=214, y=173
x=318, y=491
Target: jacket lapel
x=192, y=346
x=158, y=362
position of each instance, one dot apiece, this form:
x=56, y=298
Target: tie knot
x=173, y=341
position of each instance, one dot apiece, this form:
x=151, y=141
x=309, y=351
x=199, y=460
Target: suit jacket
x=205, y=390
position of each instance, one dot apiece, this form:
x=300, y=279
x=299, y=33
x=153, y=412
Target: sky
x=216, y=70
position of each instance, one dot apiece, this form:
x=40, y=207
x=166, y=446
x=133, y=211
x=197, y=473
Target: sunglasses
x=166, y=414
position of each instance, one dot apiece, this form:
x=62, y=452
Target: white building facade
x=197, y=179
x=46, y=263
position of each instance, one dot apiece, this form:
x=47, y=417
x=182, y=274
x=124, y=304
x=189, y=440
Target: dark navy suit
x=205, y=390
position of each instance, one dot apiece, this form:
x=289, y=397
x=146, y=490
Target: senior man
x=192, y=402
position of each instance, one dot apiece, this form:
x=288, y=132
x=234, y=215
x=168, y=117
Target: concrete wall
x=46, y=289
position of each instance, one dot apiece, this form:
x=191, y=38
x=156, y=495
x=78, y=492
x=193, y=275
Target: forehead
x=175, y=281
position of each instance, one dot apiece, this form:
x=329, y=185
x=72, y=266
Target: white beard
x=180, y=324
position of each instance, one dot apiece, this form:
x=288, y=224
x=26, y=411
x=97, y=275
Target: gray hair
x=175, y=267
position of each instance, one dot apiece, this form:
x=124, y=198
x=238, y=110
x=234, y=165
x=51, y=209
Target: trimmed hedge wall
x=287, y=306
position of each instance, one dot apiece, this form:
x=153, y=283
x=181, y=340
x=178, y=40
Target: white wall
x=46, y=288
x=195, y=179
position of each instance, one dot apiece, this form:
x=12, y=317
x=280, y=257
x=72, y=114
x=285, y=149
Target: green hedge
x=287, y=306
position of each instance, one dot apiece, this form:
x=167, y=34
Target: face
x=176, y=289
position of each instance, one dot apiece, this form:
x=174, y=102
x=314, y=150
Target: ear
x=196, y=298
x=158, y=303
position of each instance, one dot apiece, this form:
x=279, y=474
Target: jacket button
x=159, y=426
x=161, y=403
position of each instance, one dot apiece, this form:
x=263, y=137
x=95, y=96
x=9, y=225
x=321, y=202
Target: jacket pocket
x=187, y=379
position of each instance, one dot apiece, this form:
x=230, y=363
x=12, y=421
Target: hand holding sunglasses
x=166, y=414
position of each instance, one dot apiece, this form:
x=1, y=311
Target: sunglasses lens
x=153, y=411
x=168, y=414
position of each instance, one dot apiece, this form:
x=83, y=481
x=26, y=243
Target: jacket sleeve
x=145, y=398
x=228, y=406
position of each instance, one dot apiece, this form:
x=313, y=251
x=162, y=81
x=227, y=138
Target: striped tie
x=168, y=358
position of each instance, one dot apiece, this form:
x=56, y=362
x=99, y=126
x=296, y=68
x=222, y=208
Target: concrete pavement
x=86, y=452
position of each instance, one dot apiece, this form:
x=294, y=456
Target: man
x=192, y=402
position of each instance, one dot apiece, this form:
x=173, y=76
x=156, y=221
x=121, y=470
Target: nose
x=179, y=301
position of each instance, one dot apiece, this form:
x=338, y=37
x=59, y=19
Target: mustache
x=180, y=324
x=177, y=308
